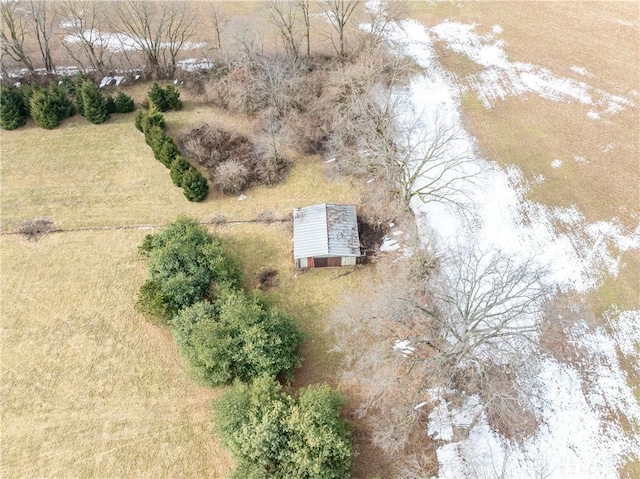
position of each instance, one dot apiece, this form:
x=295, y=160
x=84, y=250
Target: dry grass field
x=89, y=387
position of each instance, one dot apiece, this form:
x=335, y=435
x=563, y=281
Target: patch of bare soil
x=267, y=279
x=35, y=229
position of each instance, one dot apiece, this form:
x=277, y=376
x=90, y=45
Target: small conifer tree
x=60, y=102
x=168, y=152
x=172, y=96
x=94, y=104
x=178, y=168
x=158, y=97
x=111, y=104
x=13, y=113
x=194, y=185
x=43, y=111
x=124, y=103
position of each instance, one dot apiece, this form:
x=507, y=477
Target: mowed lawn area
x=89, y=387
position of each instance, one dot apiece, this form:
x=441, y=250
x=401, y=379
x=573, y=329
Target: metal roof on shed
x=325, y=230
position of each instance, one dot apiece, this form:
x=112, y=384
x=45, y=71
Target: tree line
x=49, y=106
x=38, y=35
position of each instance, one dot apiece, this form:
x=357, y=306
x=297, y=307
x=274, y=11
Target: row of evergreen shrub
x=152, y=123
x=49, y=106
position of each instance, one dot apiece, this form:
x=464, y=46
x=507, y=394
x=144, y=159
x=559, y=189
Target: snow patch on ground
x=502, y=78
x=556, y=164
x=580, y=71
x=577, y=436
x=120, y=42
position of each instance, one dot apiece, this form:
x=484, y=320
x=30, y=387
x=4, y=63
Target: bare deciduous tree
x=13, y=35
x=485, y=305
x=44, y=19
x=158, y=30
x=303, y=5
x=282, y=15
x=86, y=45
x=217, y=21
x=382, y=16
x=338, y=13
x=180, y=28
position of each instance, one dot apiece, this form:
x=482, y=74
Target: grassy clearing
x=84, y=175
x=90, y=388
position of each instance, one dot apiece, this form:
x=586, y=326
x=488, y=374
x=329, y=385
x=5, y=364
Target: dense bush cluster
x=271, y=433
x=151, y=122
x=228, y=336
x=244, y=339
x=165, y=99
x=232, y=161
x=223, y=333
x=49, y=106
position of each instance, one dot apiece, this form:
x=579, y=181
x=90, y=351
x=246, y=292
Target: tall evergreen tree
x=94, y=104
x=43, y=111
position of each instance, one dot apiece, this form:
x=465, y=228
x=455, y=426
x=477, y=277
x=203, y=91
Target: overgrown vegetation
x=224, y=334
x=233, y=162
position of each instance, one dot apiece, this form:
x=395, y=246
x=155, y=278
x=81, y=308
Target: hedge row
x=151, y=123
x=49, y=106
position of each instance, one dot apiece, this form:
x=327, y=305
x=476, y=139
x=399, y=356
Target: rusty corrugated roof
x=325, y=231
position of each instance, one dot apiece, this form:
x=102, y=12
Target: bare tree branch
x=303, y=5
x=338, y=13
x=282, y=15
x=82, y=19
x=13, y=34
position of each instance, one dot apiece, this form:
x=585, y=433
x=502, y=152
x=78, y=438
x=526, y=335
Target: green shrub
x=269, y=338
x=184, y=260
x=237, y=338
x=158, y=97
x=124, y=103
x=13, y=113
x=194, y=185
x=178, y=167
x=60, y=102
x=111, y=104
x=172, y=96
x=168, y=152
x=271, y=433
x=94, y=104
x=43, y=111
x=152, y=302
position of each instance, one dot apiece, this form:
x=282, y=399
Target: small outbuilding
x=325, y=235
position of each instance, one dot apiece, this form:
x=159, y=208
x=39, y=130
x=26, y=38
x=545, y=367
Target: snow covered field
x=581, y=407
